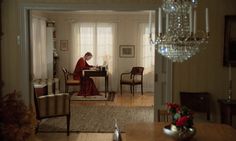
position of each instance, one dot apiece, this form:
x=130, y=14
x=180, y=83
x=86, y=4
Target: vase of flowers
x=181, y=127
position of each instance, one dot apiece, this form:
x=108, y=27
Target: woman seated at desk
x=87, y=87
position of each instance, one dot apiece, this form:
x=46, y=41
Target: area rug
x=98, y=119
x=101, y=97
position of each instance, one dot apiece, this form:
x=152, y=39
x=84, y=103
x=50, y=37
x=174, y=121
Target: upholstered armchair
x=51, y=105
x=132, y=79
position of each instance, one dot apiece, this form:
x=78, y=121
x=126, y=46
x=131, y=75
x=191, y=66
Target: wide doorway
x=125, y=43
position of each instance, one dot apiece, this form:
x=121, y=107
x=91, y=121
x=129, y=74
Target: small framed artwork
x=64, y=45
x=127, y=51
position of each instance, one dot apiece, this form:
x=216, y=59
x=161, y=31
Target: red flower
x=181, y=115
x=172, y=105
x=182, y=121
x=173, y=108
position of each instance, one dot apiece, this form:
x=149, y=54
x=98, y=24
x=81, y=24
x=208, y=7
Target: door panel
x=163, y=79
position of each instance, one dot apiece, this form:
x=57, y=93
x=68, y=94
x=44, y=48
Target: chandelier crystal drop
x=179, y=40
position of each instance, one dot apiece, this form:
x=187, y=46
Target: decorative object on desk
x=180, y=39
x=17, y=121
x=64, y=45
x=181, y=128
x=102, y=68
x=127, y=51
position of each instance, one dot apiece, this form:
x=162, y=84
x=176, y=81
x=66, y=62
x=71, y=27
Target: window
x=39, y=48
x=97, y=38
x=146, y=56
x=147, y=50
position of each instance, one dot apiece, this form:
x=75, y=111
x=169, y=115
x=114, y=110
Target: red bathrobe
x=87, y=87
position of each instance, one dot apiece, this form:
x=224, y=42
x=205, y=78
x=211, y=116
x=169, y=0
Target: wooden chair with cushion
x=69, y=81
x=132, y=79
x=196, y=101
x=163, y=115
x=51, y=105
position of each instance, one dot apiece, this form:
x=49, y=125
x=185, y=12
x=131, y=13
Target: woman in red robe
x=87, y=87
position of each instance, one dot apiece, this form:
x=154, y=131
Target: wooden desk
x=227, y=109
x=98, y=73
x=205, y=132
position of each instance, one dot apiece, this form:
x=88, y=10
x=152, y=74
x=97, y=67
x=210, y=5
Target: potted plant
x=181, y=127
x=17, y=121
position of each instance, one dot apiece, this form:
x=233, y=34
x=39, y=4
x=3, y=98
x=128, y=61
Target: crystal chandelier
x=179, y=40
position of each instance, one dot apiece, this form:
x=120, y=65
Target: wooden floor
x=126, y=99
x=74, y=137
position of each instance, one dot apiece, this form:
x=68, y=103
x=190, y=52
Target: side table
x=227, y=109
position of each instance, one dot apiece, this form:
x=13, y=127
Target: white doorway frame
x=25, y=44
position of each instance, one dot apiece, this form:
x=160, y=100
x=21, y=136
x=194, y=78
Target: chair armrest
x=122, y=74
x=53, y=105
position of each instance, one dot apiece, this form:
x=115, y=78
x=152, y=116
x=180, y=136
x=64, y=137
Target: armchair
x=132, y=80
x=53, y=105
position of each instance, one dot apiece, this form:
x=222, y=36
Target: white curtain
x=49, y=50
x=146, y=58
x=82, y=42
x=38, y=41
x=99, y=39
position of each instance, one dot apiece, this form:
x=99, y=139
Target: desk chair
x=69, y=81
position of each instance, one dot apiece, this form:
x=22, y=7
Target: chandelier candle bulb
x=207, y=21
x=190, y=20
x=194, y=21
x=150, y=22
x=159, y=21
x=167, y=22
x=179, y=39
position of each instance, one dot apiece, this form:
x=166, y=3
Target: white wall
x=127, y=34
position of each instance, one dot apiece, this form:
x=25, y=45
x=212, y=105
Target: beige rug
x=101, y=97
x=98, y=119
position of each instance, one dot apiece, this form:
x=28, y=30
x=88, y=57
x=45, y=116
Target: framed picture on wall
x=127, y=51
x=230, y=41
x=64, y=45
